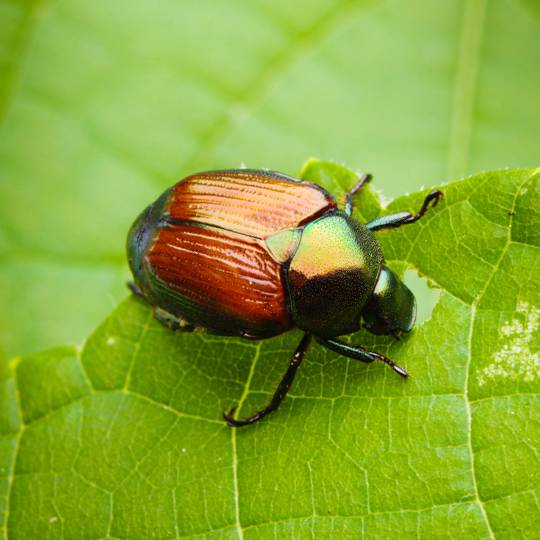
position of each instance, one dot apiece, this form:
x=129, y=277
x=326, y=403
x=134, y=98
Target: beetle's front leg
x=359, y=353
x=349, y=203
x=281, y=390
x=405, y=218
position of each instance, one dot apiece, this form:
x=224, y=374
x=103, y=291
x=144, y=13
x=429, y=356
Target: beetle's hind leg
x=359, y=353
x=349, y=202
x=178, y=324
x=405, y=218
x=135, y=290
x=281, y=390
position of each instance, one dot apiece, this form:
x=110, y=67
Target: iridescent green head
x=392, y=306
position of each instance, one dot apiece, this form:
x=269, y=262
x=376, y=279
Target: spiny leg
x=281, y=390
x=405, y=218
x=359, y=353
x=349, y=203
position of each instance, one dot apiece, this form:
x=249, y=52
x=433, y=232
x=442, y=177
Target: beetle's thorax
x=332, y=274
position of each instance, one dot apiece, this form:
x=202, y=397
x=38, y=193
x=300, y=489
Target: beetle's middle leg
x=281, y=390
x=359, y=353
x=404, y=218
x=349, y=202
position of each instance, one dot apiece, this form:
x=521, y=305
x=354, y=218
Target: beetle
x=254, y=253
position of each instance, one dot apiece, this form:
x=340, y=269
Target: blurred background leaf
x=104, y=104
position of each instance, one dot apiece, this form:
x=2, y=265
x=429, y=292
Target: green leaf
x=124, y=438
x=105, y=104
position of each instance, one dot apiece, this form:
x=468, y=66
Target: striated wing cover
x=224, y=281
x=252, y=202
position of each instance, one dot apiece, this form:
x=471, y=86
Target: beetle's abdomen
x=220, y=279
x=255, y=203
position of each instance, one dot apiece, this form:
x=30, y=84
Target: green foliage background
x=105, y=104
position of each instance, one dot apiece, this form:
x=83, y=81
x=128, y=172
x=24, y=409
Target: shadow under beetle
x=253, y=253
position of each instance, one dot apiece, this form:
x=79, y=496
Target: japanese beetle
x=253, y=253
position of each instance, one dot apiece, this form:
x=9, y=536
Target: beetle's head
x=391, y=308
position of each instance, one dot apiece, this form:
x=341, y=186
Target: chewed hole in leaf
x=427, y=295
x=515, y=359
